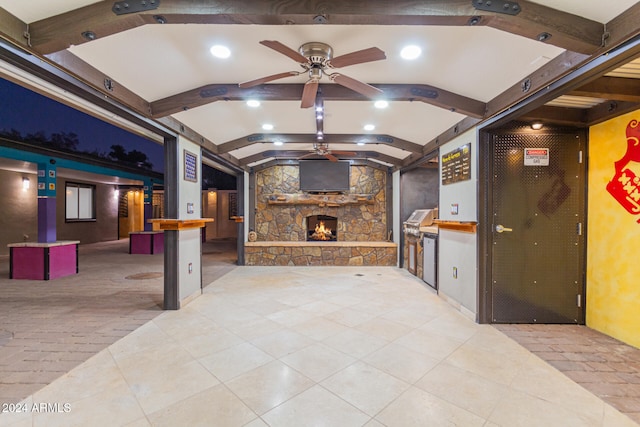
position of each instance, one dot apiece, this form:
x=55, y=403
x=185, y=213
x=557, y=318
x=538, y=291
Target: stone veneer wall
x=356, y=223
x=321, y=254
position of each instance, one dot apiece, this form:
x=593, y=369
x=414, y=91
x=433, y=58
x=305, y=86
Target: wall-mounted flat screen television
x=324, y=176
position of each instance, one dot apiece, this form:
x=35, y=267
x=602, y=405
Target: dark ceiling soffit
x=330, y=92
x=534, y=21
x=585, y=74
x=302, y=138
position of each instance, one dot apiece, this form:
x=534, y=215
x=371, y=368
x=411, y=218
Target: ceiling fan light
x=410, y=52
x=381, y=103
x=220, y=51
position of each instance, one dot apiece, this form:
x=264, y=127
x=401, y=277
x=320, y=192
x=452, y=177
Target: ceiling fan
x=316, y=58
x=322, y=149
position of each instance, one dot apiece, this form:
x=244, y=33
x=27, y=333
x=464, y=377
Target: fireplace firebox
x=322, y=228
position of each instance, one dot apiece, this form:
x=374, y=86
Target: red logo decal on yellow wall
x=625, y=185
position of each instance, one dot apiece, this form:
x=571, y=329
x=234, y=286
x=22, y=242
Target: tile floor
x=336, y=346
x=48, y=328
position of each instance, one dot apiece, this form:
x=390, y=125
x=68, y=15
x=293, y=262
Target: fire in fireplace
x=322, y=228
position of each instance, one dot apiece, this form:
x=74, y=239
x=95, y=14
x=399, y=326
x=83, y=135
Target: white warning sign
x=536, y=157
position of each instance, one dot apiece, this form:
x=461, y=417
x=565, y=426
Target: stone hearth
x=323, y=253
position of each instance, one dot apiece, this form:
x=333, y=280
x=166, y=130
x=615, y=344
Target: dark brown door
x=537, y=231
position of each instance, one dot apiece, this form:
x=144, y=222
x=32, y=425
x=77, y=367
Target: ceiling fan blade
x=345, y=153
x=309, y=94
x=356, y=85
x=285, y=50
x=266, y=79
x=331, y=157
x=357, y=57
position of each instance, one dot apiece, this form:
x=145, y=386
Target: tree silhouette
x=133, y=157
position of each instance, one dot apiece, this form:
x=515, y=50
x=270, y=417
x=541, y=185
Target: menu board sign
x=456, y=165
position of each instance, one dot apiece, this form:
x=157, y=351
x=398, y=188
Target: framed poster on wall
x=190, y=166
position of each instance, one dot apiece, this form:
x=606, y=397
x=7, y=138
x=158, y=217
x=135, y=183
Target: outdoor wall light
x=26, y=184
x=536, y=125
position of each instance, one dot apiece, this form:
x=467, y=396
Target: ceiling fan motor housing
x=317, y=52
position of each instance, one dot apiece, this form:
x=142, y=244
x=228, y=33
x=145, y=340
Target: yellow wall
x=613, y=240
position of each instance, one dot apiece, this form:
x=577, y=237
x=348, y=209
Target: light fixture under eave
x=536, y=125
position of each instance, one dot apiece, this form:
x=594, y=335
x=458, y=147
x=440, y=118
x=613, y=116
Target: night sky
x=29, y=112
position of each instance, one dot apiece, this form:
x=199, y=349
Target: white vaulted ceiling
x=161, y=61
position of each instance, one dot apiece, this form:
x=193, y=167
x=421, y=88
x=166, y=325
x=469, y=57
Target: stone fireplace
x=286, y=217
x=322, y=228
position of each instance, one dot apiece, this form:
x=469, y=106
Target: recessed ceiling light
x=253, y=103
x=360, y=143
x=318, y=109
x=381, y=104
x=369, y=127
x=267, y=126
x=278, y=143
x=220, y=51
x=319, y=117
x=410, y=52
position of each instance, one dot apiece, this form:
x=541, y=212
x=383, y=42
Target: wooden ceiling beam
x=302, y=138
x=12, y=28
x=330, y=92
x=564, y=30
x=94, y=77
x=614, y=88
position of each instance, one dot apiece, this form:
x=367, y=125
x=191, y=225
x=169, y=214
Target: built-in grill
x=420, y=218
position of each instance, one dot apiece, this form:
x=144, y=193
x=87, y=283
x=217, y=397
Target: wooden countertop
x=43, y=244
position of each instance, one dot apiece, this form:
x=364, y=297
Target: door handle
x=501, y=228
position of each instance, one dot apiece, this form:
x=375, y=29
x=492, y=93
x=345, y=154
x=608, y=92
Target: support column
x=47, y=202
x=182, y=247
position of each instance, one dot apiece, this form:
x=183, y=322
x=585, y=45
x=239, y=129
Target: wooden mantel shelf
x=467, y=227
x=330, y=200
x=180, y=224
